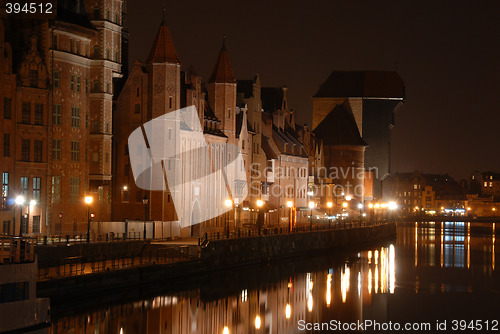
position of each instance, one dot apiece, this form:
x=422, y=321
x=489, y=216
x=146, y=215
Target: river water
x=433, y=276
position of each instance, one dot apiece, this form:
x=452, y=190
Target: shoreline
x=245, y=252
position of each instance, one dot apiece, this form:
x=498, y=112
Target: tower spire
x=163, y=50
x=223, y=71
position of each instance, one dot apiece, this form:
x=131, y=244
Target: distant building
x=485, y=184
x=418, y=193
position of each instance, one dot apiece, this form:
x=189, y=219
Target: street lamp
x=19, y=202
x=32, y=203
x=329, y=205
x=229, y=203
x=145, y=201
x=289, y=204
x=88, y=200
x=311, y=206
x=260, y=203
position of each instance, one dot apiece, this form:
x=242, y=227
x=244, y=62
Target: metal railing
x=270, y=230
x=84, y=265
x=17, y=250
x=75, y=238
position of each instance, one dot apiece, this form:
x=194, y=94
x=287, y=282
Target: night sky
x=446, y=52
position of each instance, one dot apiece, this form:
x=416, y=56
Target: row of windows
x=485, y=184
x=75, y=83
x=26, y=113
x=74, y=189
x=26, y=150
x=24, y=187
x=97, y=15
x=74, y=46
x=57, y=116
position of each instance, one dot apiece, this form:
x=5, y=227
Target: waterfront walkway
x=70, y=257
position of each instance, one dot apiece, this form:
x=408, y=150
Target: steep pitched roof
x=223, y=71
x=339, y=128
x=163, y=50
x=381, y=84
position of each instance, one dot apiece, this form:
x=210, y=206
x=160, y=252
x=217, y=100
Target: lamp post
x=229, y=203
x=360, y=207
x=32, y=203
x=260, y=203
x=19, y=202
x=311, y=206
x=289, y=204
x=88, y=200
x=145, y=201
x=329, y=206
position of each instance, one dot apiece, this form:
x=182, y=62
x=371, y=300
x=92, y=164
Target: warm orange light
x=88, y=199
x=228, y=203
x=260, y=203
x=329, y=204
x=370, y=205
x=289, y=204
x=312, y=205
x=344, y=204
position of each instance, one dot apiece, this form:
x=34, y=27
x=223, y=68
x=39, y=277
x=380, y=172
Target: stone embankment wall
x=223, y=253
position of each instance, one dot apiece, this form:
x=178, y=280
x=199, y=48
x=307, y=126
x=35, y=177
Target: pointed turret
x=163, y=50
x=223, y=71
x=222, y=94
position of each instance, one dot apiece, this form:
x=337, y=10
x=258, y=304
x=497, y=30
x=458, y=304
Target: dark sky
x=447, y=53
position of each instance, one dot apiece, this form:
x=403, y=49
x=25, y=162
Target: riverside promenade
x=77, y=269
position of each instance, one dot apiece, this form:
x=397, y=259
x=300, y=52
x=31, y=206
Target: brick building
x=57, y=93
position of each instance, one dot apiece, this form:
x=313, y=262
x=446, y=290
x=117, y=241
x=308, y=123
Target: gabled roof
x=339, y=128
x=163, y=50
x=223, y=71
x=367, y=84
x=272, y=98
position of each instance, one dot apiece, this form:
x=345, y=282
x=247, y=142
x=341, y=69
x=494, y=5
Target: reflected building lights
x=370, y=281
x=344, y=283
x=310, y=302
x=328, y=289
x=359, y=284
x=257, y=322
x=376, y=279
x=416, y=245
x=493, y=249
x=392, y=269
x=369, y=257
x=468, y=245
x=288, y=311
x=376, y=257
x=442, y=245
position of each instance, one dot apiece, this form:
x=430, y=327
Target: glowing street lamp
x=19, y=202
x=329, y=205
x=288, y=311
x=348, y=197
x=260, y=203
x=88, y=201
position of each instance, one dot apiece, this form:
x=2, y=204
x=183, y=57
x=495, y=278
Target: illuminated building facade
x=57, y=87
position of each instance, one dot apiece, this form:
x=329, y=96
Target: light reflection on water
x=433, y=271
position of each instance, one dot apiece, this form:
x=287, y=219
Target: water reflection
x=433, y=271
